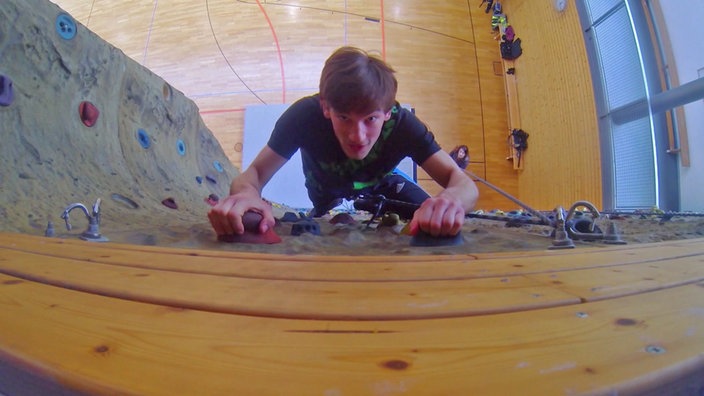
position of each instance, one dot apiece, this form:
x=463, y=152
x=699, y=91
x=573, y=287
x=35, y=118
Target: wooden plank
x=623, y=280
x=288, y=298
x=350, y=268
x=513, y=111
x=357, y=300
x=104, y=345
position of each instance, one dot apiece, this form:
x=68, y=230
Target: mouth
x=357, y=148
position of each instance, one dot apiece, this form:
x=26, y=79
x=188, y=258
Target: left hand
x=438, y=216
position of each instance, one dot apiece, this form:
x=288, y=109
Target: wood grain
x=128, y=319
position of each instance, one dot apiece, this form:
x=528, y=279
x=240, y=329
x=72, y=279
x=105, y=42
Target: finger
x=459, y=219
x=268, y=221
x=218, y=218
x=438, y=220
x=455, y=224
x=224, y=217
x=422, y=217
x=214, y=222
x=414, y=226
x=234, y=221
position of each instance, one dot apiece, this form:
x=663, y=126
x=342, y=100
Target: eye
x=372, y=119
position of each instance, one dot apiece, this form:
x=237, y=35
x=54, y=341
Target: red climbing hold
x=7, y=93
x=88, y=113
x=251, y=232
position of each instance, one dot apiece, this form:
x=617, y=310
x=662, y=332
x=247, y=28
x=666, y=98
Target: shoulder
x=302, y=114
x=405, y=121
x=309, y=104
x=412, y=134
x=406, y=118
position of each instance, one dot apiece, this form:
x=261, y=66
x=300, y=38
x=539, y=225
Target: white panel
x=288, y=184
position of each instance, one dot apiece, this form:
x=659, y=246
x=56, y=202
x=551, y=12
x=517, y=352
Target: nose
x=356, y=133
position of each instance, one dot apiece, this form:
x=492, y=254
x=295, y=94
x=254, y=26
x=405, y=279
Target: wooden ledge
x=100, y=345
x=121, y=319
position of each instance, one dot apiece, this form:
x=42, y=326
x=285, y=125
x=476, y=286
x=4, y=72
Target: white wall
x=684, y=25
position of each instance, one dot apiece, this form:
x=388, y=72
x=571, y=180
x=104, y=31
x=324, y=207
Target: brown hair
x=354, y=81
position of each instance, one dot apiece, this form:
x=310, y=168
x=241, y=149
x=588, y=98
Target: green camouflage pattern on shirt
x=351, y=166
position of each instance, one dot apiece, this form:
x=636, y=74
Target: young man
x=352, y=135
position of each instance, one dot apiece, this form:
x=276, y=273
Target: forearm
x=246, y=183
x=258, y=173
x=462, y=188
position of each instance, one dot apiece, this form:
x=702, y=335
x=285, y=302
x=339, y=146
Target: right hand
x=226, y=216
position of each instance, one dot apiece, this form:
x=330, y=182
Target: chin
x=357, y=155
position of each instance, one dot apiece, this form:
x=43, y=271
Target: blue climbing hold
x=65, y=26
x=218, y=166
x=422, y=238
x=143, y=138
x=181, y=147
x=211, y=179
x=199, y=179
x=7, y=93
x=305, y=226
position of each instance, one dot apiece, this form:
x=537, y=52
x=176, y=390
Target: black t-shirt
x=327, y=169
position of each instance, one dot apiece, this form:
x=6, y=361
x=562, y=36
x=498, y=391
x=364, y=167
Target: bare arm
x=444, y=213
x=245, y=195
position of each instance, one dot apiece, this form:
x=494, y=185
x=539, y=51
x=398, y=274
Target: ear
x=326, y=108
x=387, y=115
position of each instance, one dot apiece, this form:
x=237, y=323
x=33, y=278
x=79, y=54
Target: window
x=637, y=171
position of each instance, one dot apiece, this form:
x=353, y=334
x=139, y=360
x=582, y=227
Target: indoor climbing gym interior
x=579, y=270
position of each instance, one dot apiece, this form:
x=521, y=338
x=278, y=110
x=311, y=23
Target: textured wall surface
x=148, y=143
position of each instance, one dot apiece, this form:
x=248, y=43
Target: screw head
x=655, y=350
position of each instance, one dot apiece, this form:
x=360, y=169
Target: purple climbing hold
x=251, y=233
x=212, y=199
x=170, y=203
x=88, y=113
x=7, y=93
x=343, y=218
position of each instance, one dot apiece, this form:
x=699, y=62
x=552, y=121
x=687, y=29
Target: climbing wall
x=79, y=121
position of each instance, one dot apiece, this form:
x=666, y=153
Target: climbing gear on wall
x=509, y=33
x=489, y=5
x=518, y=140
x=511, y=49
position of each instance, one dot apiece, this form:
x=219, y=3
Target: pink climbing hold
x=251, y=232
x=88, y=113
x=7, y=93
